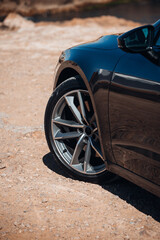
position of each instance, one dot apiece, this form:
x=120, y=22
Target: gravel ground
x=37, y=200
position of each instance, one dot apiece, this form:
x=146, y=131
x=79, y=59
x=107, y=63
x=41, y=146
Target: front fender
x=95, y=66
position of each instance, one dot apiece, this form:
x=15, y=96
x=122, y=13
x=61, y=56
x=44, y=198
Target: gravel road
x=37, y=200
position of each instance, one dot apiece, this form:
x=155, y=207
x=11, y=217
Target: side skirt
x=132, y=177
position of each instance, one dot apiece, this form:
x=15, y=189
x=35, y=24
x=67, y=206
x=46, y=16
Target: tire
x=72, y=135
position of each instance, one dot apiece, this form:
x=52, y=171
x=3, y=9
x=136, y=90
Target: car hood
x=105, y=42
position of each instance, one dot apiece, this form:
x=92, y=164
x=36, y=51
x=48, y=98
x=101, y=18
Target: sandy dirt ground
x=37, y=200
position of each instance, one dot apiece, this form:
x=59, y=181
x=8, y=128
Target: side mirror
x=137, y=40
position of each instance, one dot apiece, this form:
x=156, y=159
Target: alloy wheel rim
x=75, y=134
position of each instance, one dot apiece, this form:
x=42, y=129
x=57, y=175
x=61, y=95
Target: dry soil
x=37, y=200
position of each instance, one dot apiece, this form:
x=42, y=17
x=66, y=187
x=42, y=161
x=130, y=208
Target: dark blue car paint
x=125, y=92
x=95, y=55
x=135, y=101
x=91, y=70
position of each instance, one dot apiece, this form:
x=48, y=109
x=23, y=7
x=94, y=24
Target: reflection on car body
x=102, y=119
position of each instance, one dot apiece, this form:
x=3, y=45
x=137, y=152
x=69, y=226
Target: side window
x=158, y=41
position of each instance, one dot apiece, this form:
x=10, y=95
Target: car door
x=134, y=111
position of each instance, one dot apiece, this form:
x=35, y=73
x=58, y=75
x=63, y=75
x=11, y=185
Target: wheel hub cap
x=88, y=131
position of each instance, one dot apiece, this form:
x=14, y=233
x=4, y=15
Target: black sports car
x=103, y=118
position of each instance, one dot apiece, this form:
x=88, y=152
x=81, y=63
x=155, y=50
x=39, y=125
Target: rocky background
x=59, y=7
x=31, y=7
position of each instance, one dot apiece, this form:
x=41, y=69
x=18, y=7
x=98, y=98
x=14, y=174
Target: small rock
x=125, y=206
x=14, y=21
x=27, y=225
x=126, y=237
x=144, y=233
x=132, y=223
x=35, y=175
x=2, y=167
x=60, y=210
x=21, y=179
x=22, y=225
x=3, y=175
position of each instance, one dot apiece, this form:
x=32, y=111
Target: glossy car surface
x=121, y=78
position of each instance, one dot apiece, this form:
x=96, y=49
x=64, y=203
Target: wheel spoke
x=97, y=148
x=96, y=136
x=61, y=136
x=79, y=147
x=92, y=118
x=67, y=123
x=87, y=156
x=95, y=130
x=76, y=113
x=82, y=106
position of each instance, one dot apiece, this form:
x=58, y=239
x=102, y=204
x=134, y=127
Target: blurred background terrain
x=53, y=10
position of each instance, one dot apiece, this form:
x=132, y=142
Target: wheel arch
x=65, y=74
x=70, y=69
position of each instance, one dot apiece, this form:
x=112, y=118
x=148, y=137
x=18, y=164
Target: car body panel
x=135, y=101
x=125, y=93
x=108, y=42
x=95, y=76
x=105, y=58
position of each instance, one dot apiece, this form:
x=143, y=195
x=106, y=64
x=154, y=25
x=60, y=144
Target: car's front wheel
x=72, y=134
